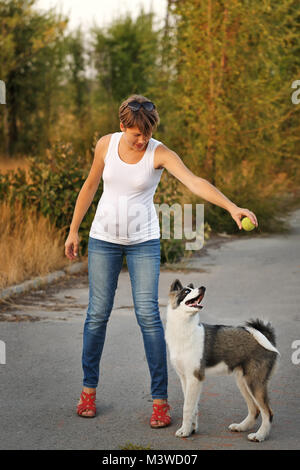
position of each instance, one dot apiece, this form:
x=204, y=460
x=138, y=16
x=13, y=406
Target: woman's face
x=134, y=138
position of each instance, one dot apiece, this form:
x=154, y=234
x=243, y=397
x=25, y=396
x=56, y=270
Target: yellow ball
x=247, y=224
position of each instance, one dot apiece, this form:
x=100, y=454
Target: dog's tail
x=267, y=330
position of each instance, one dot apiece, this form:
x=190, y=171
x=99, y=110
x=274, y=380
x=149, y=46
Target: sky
x=101, y=12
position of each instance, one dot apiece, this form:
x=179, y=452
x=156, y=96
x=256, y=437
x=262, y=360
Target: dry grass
x=29, y=245
x=7, y=164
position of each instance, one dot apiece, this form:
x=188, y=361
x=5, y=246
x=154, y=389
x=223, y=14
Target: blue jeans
x=105, y=261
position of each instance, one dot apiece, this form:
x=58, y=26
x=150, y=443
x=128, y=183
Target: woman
x=131, y=163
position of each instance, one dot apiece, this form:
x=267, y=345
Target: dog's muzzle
x=196, y=301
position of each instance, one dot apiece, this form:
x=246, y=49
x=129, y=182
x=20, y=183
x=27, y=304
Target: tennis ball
x=247, y=224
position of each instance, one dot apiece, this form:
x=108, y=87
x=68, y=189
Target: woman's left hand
x=237, y=213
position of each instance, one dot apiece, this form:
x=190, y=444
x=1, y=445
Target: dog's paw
x=235, y=427
x=243, y=426
x=184, y=431
x=256, y=437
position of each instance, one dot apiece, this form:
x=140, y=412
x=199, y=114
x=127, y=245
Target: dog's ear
x=176, y=285
x=191, y=285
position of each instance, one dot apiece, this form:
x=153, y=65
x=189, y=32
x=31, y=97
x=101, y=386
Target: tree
x=125, y=56
x=77, y=64
x=231, y=70
x=30, y=59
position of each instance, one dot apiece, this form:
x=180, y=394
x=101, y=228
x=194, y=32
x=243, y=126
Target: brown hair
x=146, y=121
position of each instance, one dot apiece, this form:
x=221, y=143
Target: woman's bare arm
x=199, y=186
x=86, y=196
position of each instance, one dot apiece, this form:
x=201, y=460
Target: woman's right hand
x=72, y=246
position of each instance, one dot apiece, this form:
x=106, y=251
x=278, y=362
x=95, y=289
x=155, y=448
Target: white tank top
x=126, y=213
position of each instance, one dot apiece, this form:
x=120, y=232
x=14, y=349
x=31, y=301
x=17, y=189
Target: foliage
x=168, y=192
x=125, y=56
x=230, y=74
x=227, y=106
x=30, y=245
x=31, y=63
x=219, y=72
x=52, y=186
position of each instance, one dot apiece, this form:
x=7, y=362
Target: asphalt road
x=245, y=277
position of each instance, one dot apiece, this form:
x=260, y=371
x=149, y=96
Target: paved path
x=41, y=380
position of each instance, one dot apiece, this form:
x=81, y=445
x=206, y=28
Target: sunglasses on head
x=135, y=105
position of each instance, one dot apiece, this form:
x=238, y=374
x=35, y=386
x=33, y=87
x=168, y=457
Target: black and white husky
x=198, y=350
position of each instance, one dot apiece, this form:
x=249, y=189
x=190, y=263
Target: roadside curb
x=42, y=280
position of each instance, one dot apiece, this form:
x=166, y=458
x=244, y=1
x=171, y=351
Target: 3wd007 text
x=171, y=459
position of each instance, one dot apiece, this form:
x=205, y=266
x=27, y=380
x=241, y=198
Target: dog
x=198, y=350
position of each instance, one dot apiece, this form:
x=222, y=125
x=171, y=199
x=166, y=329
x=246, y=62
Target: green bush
x=168, y=192
x=52, y=185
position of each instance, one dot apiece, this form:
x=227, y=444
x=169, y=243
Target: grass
x=29, y=245
x=130, y=446
x=8, y=164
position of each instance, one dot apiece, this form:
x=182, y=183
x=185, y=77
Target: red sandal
x=160, y=414
x=88, y=404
